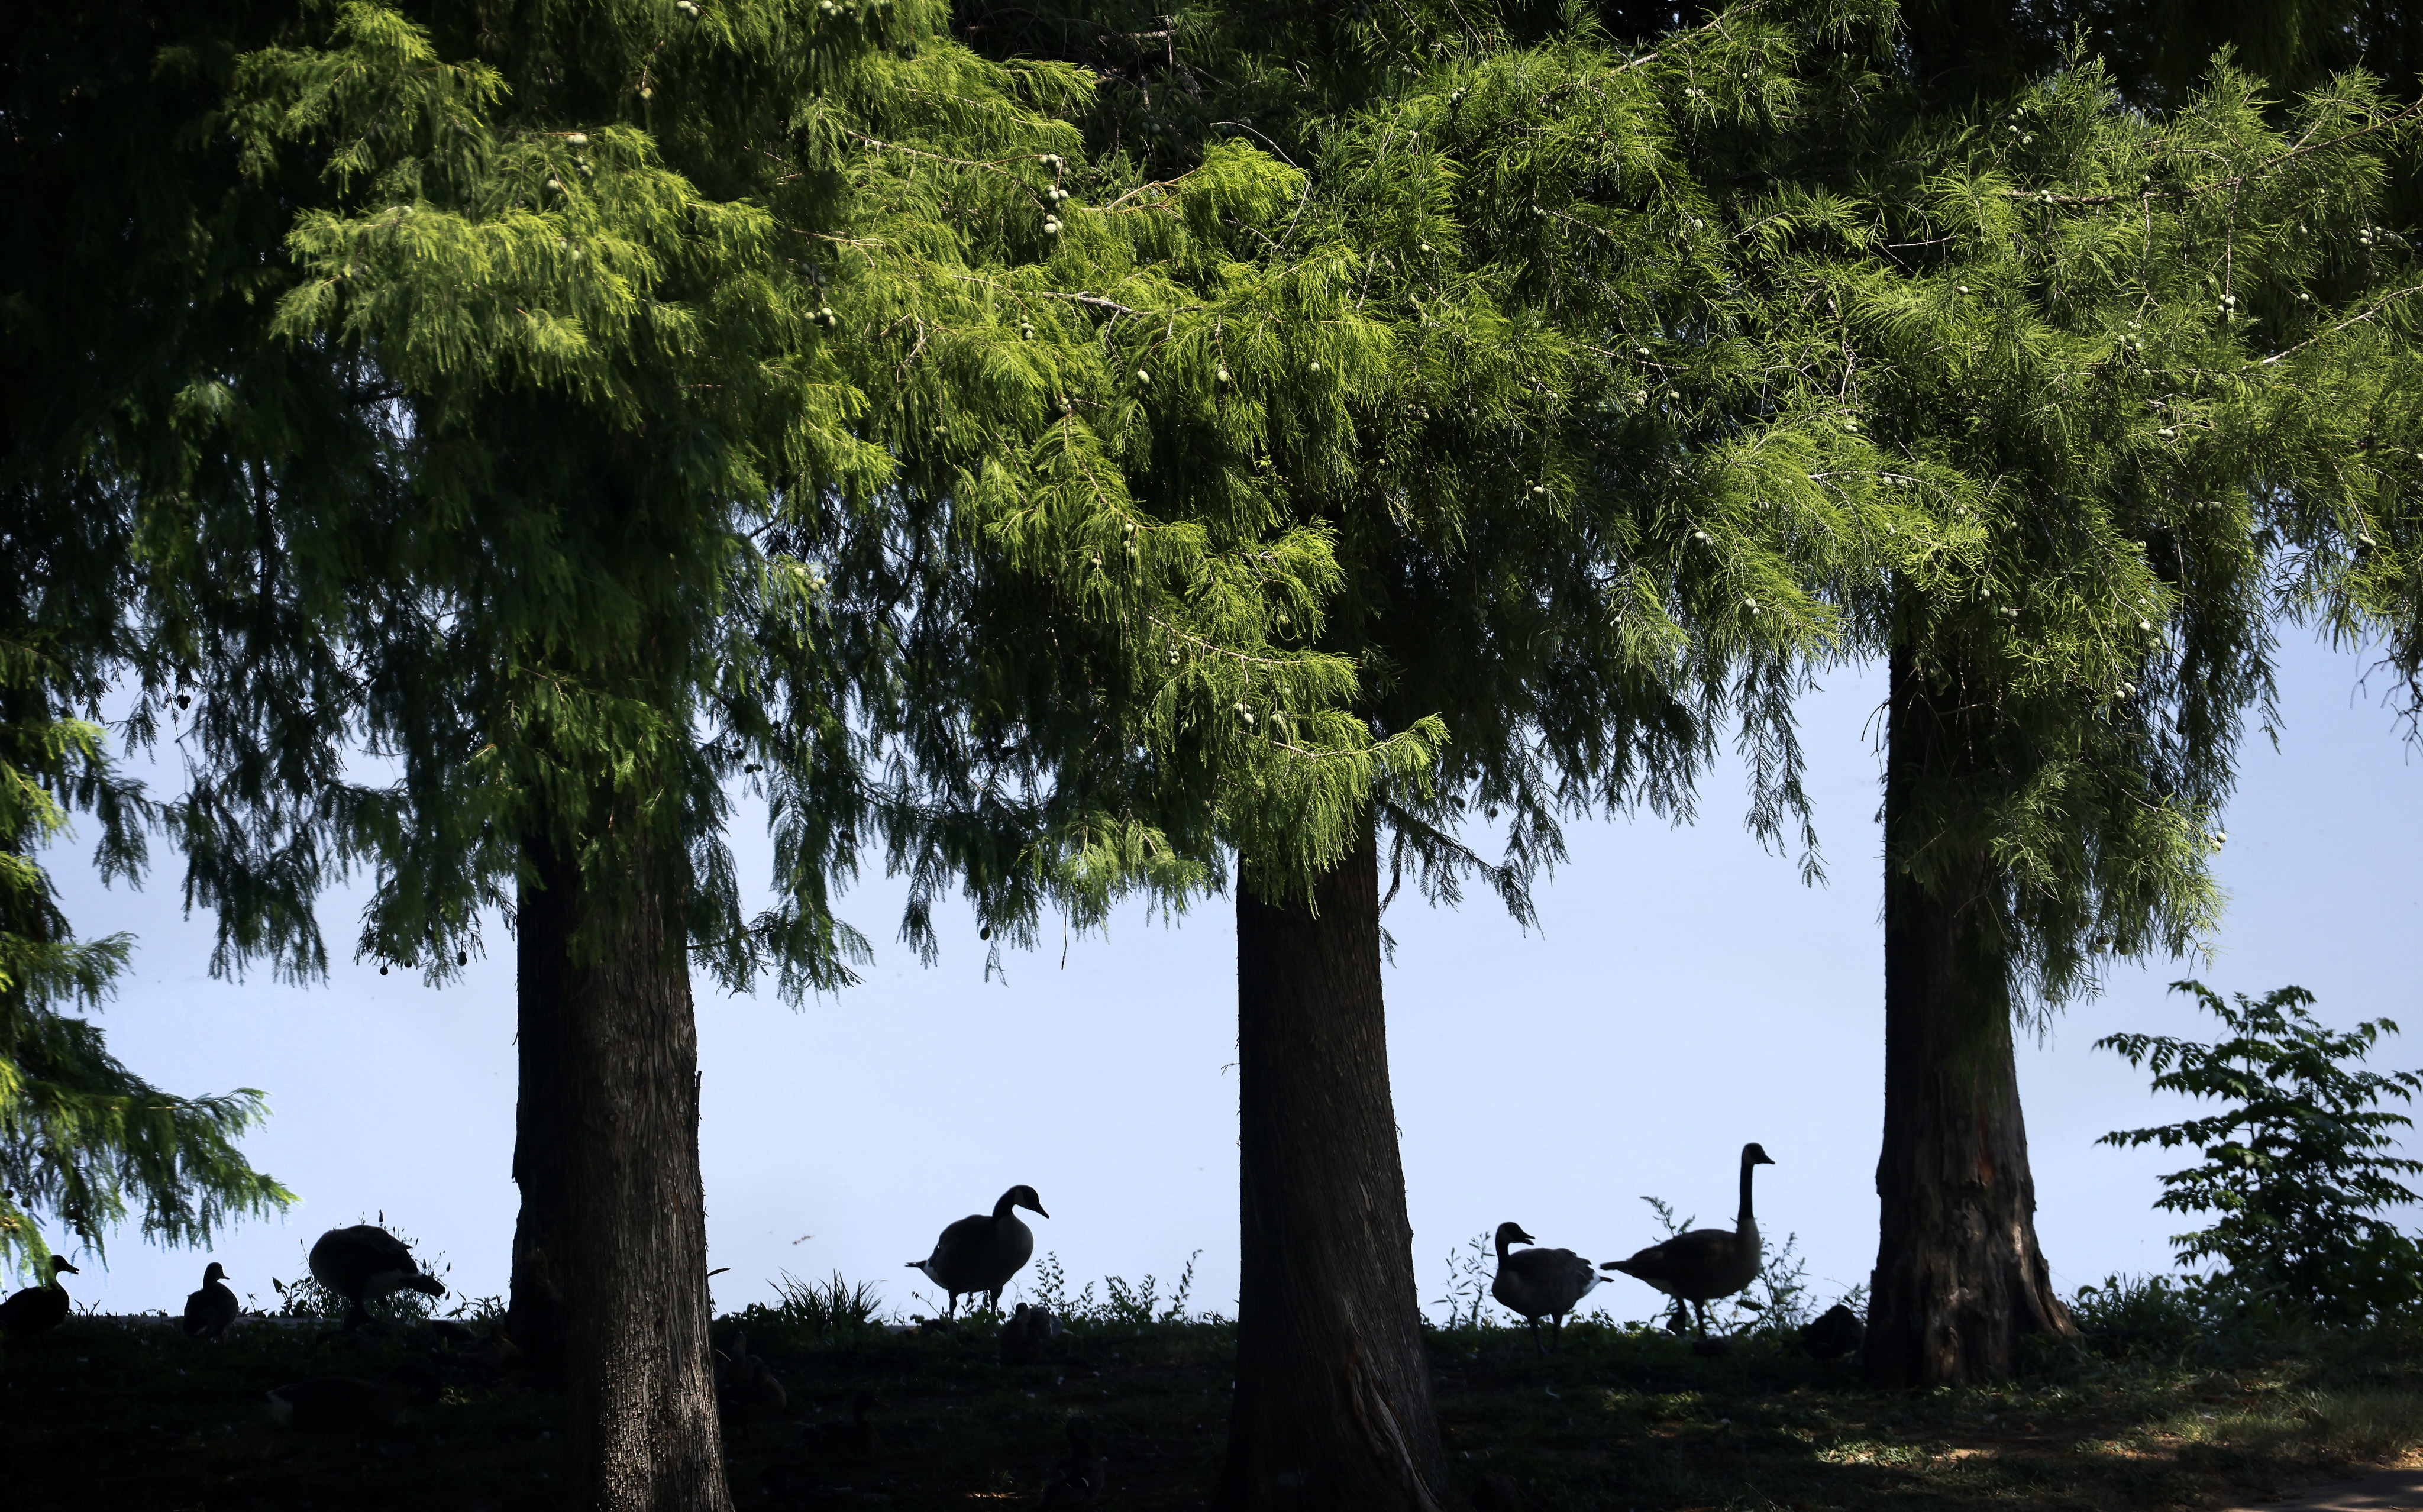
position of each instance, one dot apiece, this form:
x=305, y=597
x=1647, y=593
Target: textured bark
x=1961, y=1280
x=1333, y=1405
x=613, y=1195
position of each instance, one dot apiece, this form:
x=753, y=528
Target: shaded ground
x=128, y=1414
x=2382, y=1490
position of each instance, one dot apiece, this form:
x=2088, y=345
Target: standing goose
x=365, y=1263
x=979, y=1254
x=1540, y=1283
x=210, y=1310
x=38, y=1309
x=1703, y=1265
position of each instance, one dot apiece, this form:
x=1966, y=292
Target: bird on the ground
x=1029, y=1331
x=1703, y=1265
x=1076, y=1481
x=1833, y=1333
x=38, y=1309
x=210, y=1310
x=750, y=1389
x=981, y=1253
x=1540, y=1283
x=365, y=1263
x=342, y=1403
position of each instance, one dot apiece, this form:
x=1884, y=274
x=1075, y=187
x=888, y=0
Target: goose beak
x=70, y=1270
x=1039, y=1213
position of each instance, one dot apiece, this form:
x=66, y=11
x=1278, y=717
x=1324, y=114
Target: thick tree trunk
x=1333, y=1405
x=1959, y=1280
x=613, y=1198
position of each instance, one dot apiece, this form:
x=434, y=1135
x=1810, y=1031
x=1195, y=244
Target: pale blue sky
x=1685, y=994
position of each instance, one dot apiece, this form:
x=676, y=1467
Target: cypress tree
x=611, y=262
x=1503, y=357
x=2119, y=428
x=2109, y=363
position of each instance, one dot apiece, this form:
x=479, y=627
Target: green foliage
x=2296, y=1167
x=1467, y=1296
x=1572, y=402
x=2128, y=1316
x=714, y=382
x=829, y=1312
x=1123, y=1304
x=2114, y=369
x=1782, y=1302
x=84, y=1142
x=1660, y=378
x=1561, y=582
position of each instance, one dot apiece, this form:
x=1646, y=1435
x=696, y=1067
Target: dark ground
x=127, y=1413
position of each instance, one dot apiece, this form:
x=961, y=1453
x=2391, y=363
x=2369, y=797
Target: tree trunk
x=1959, y=1280
x=1333, y=1405
x=607, y=1161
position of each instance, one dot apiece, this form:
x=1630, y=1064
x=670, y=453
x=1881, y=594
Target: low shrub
x=2129, y=1317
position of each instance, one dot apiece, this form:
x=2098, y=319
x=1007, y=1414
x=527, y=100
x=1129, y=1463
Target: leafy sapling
x=2298, y=1164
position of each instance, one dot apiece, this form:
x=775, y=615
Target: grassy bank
x=2155, y=1417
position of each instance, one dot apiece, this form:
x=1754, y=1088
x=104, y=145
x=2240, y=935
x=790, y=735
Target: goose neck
x=1745, y=1220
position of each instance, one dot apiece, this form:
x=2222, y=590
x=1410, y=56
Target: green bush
x=829, y=1312
x=2295, y=1166
x=1124, y=1304
x=2136, y=1316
